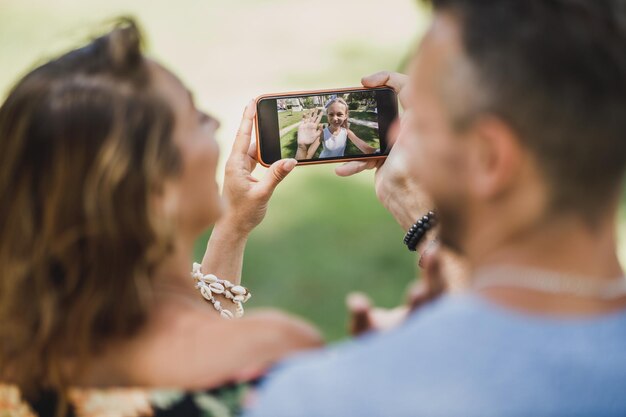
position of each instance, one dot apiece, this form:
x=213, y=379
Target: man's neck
x=562, y=244
x=568, y=246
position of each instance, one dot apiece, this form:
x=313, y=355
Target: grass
x=370, y=116
x=368, y=134
x=289, y=143
x=287, y=118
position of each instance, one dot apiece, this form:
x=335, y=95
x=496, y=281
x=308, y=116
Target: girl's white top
x=334, y=145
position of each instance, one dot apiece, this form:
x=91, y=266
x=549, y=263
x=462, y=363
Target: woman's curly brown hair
x=85, y=148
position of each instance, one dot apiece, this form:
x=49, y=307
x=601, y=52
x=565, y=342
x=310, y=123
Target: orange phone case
x=306, y=92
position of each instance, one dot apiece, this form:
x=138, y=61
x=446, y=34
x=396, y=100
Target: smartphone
x=325, y=126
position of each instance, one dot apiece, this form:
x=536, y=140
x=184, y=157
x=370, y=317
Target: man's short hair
x=555, y=70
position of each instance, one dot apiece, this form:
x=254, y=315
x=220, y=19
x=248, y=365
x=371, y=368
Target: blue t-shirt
x=461, y=356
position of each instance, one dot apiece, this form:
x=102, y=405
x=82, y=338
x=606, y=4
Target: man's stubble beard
x=451, y=220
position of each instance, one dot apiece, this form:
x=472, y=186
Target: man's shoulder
x=342, y=375
x=459, y=347
x=450, y=314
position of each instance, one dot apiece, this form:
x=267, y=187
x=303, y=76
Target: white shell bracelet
x=210, y=284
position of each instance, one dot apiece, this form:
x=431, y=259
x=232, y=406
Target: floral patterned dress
x=226, y=401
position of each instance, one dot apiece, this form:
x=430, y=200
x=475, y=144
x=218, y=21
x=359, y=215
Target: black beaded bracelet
x=417, y=232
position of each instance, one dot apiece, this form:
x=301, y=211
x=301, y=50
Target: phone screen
x=326, y=126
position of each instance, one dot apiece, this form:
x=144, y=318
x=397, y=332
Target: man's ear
x=496, y=157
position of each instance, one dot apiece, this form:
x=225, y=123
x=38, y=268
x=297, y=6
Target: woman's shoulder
x=208, y=350
x=129, y=402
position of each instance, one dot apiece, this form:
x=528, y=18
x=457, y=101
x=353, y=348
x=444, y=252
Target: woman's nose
x=217, y=124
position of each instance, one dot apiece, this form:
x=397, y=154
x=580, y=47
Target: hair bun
x=124, y=44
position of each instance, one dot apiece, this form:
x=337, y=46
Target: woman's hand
x=247, y=198
x=395, y=188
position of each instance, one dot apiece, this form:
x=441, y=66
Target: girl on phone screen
x=333, y=137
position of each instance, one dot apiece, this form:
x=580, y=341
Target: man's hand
x=442, y=271
x=395, y=188
x=401, y=194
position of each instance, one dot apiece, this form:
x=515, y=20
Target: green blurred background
x=323, y=236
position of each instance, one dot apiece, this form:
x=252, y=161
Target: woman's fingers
x=354, y=167
x=252, y=160
x=244, y=133
x=394, y=80
x=275, y=174
x=252, y=152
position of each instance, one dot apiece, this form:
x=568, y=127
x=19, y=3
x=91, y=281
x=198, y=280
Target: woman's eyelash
x=203, y=117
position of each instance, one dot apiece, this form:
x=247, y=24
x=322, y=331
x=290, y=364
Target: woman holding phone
x=107, y=177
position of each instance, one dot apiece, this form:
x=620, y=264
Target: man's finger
x=395, y=130
x=405, y=97
x=244, y=133
x=387, y=318
x=359, y=307
x=394, y=80
x=275, y=174
x=354, y=167
x=433, y=283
